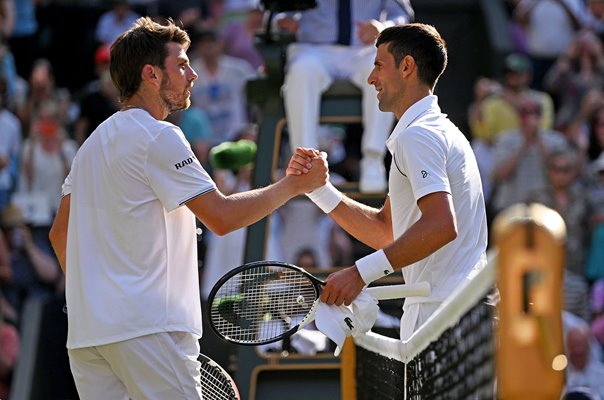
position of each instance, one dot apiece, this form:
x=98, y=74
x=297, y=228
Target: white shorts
x=159, y=366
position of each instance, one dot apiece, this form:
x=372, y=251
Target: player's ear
x=150, y=73
x=407, y=66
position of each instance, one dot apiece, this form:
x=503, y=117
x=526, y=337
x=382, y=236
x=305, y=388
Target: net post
x=530, y=359
x=348, y=382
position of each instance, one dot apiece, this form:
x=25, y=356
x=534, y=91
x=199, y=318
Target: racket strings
x=214, y=385
x=262, y=303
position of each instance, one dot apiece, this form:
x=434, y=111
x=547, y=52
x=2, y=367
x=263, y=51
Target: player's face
x=178, y=77
x=386, y=79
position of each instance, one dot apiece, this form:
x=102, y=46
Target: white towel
x=339, y=322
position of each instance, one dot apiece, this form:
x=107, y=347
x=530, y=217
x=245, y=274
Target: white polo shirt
x=131, y=248
x=430, y=154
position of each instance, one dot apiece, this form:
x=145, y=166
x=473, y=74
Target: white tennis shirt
x=131, y=247
x=430, y=154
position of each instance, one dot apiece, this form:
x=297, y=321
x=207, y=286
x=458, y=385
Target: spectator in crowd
x=10, y=147
x=595, y=141
x=324, y=52
x=566, y=193
x=42, y=88
x=597, y=309
x=115, y=21
x=220, y=89
x=46, y=157
x=35, y=271
x=595, y=261
x=583, y=370
x=95, y=107
x=483, y=89
x=497, y=112
x=577, y=71
x=16, y=85
x=520, y=156
x=23, y=40
x=545, y=44
x=238, y=38
x=224, y=12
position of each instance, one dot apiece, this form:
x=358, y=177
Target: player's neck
x=138, y=102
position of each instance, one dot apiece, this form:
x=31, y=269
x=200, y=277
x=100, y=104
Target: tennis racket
x=216, y=383
x=266, y=301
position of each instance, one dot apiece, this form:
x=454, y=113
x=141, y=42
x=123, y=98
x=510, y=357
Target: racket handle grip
x=399, y=291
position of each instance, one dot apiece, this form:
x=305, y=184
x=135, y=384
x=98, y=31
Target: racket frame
x=204, y=359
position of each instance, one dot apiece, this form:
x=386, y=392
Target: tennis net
x=451, y=356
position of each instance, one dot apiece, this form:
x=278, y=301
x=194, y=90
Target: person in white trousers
x=323, y=54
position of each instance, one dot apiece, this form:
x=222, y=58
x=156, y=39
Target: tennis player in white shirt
x=433, y=223
x=125, y=232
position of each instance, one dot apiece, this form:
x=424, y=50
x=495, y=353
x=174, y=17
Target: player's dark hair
x=423, y=43
x=144, y=43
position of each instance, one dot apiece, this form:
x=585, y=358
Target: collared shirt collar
x=429, y=102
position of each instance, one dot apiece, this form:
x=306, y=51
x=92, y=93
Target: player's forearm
x=243, y=209
x=367, y=224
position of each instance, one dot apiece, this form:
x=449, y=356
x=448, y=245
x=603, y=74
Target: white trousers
x=152, y=367
x=311, y=69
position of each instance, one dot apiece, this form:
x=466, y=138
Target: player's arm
x=436, y=227
x=223, y=214
x=58, y=232
x=367, y=224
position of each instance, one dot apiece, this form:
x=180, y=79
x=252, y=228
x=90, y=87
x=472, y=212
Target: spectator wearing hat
x=498, y=113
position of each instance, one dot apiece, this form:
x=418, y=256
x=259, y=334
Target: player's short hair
x=144, y=43
x=423, y=43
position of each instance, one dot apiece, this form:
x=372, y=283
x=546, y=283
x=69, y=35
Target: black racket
x=266, y=301
x=216, y=383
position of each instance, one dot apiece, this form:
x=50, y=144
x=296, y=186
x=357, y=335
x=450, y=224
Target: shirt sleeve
x=174, y=173
x=424, y=161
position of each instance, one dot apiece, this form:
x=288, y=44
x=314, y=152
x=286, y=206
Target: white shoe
x=373, y=175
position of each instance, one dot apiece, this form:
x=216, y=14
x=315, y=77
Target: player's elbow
x=220, y=226
x=449, y=231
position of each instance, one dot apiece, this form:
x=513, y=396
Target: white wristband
x=374, y=266
x=327, y=197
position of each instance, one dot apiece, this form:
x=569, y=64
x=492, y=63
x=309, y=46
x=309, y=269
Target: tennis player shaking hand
x=125, y=232
x=432, y=225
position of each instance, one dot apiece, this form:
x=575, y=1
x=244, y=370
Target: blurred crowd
x=537, y=131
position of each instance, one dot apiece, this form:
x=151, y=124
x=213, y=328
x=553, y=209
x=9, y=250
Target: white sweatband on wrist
x=327, y=197
x=374, y=266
